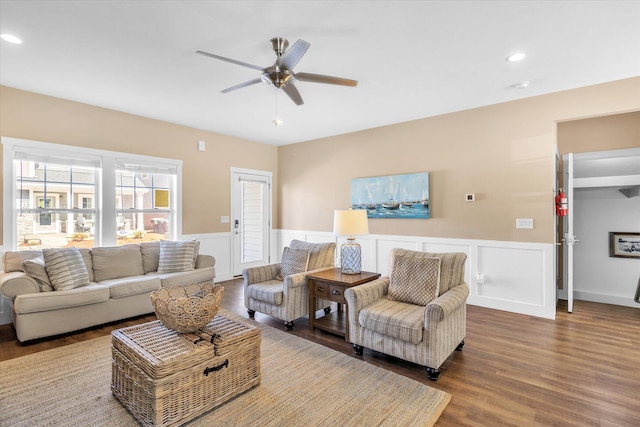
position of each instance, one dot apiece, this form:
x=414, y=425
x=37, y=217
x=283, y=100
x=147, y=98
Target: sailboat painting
x=392, y=196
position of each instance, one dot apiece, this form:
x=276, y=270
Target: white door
x=250, y=218
x=569, y=237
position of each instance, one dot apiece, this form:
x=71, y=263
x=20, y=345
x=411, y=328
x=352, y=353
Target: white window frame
x=105, y=193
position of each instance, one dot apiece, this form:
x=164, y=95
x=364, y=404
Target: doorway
x=250, y=218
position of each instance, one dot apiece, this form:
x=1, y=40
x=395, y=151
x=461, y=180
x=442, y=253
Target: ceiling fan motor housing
x=279, y=45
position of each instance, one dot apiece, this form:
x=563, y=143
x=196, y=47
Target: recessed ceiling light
x=10, y=38
x=521, y=85
x=519, y=56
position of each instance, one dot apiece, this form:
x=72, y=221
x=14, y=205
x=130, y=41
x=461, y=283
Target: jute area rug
x=303, y=384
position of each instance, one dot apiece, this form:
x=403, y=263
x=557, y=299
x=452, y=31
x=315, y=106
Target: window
x=77, y=197
x=143, y=198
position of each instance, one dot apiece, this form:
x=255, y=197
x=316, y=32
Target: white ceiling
x=413, y=59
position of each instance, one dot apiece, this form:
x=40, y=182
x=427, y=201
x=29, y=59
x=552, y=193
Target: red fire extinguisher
x=561, y=203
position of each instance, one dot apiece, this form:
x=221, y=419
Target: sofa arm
x=441, y=307
x=260, y=274
x=17, y=283
x=204, y=261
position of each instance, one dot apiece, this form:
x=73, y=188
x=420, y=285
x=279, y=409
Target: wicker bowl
x=187, y=308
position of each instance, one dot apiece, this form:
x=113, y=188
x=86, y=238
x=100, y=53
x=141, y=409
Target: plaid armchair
x=422, y=334
x=286, y=299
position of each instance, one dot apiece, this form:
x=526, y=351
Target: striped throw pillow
x=176, y=256
x=66, y=268
x=293, y=261
x=414, y=280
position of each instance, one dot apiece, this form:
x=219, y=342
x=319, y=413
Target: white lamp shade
x=350, y=222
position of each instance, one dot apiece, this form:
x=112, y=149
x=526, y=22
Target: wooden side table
x=330, y=285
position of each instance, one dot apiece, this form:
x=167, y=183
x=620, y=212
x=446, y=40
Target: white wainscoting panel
x=518, y=276
x=218, y=245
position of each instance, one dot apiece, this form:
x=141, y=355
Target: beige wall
x=503, y=153
x=206, y=175
x=599, y=133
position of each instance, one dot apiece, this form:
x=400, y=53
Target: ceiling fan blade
x=292, y=92
x=233, y=61
x=294, y=54
x=241, y=85
x=319, y=78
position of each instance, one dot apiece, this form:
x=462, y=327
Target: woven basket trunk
x=165, y=378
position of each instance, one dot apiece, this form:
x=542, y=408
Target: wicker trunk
x=165, y=378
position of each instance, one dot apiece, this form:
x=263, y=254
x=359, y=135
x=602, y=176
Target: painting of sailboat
x=392, y=196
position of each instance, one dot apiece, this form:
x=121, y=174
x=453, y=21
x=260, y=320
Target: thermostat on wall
x=470, y=197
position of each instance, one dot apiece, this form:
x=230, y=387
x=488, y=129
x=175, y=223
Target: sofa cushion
x=116, y=261
x=127, y=286
x=414, y=280
x=93, y=293
x=320, y=254
x=176, y=256
x=65, y=268
x=88, y=262
x=293, y=261
x=150, y=255
x=36, y=269
x=12, y=260
x=198, y=275
x=396, y=319
x=270, y=291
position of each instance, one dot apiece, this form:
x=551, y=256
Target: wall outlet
x=470, y=197
x=524, y=223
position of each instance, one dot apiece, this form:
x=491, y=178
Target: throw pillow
x=35, y=268
x=176, y=256
x=65, y=268
x=293, y=261
x=414, y=280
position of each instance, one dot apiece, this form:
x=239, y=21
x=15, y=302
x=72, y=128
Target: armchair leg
x=288, y=326
x=433, y=373
x=459, y=347
x=358, y=349
x=252, y=314
x=327, y=310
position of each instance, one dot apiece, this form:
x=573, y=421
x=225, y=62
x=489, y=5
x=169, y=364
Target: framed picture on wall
x=624, y=244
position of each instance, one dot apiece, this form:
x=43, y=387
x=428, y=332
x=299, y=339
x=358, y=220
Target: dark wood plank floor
x=583, y=369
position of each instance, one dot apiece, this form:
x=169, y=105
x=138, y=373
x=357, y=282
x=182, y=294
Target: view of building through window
x=58, y=202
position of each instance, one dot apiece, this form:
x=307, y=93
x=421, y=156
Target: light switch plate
x=524, y=223
x=224, y=220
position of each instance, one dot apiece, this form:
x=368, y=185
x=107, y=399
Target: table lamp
x=350, y=223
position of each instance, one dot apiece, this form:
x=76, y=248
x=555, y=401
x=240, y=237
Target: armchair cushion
x=270, y=291
x=293, y=261
x=395, y=319
x=451, y=265
x=414, y=280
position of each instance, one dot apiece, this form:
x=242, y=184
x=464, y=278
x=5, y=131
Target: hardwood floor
x=581, y=369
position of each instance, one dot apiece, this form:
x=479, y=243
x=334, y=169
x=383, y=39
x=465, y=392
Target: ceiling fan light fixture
x=518, y=56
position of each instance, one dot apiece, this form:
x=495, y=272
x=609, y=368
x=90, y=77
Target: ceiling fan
x=280, y=75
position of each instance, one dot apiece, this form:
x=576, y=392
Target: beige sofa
x=121, y=279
